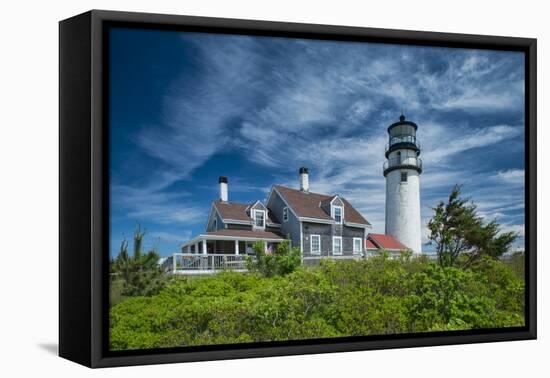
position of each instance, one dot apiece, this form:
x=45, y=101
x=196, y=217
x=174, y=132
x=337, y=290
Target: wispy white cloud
x=517, y=228
x=512, y=176
x=282, y=104
x=168, y=213
x=441, y=142
x=172, y=238
x=151, y=205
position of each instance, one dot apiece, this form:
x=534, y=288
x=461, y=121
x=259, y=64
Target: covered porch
x=220, y=250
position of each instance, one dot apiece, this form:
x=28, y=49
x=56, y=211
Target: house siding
x=276, y=230
x=324, y=230
x=327, y=231
x=232, y=226
x=292, y=226
x=353, y=232
x=219, y=222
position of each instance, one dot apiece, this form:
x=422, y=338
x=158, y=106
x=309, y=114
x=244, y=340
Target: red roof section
x=386, y=242
x=369, y=244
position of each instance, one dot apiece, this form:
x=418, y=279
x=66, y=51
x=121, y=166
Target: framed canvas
x=235, y=188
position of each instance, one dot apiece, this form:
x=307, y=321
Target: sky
x=186, y=108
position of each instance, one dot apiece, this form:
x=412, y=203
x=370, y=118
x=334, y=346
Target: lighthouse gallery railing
x=403, y=161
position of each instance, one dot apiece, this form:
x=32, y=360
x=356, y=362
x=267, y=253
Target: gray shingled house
x=321, y=225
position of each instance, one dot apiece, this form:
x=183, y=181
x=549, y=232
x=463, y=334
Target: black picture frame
x=84, y=187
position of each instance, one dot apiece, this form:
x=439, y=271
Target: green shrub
x=283, y=260
x=338, y=298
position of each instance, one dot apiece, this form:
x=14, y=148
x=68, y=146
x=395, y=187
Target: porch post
x=197, y=247
x=204, y=246
x=265, y=247
x=236, y=247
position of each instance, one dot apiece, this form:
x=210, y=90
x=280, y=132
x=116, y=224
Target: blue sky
x=186, y=108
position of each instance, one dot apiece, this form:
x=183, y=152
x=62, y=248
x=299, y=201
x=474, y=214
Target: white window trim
x=333, y=212
x=257, y=203
x=254, y=211
x=360, y=245
x=341, y=246
x=285, y=214
x=311, y=244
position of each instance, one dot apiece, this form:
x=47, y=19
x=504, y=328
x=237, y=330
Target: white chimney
x=304, y=179
x=223, y=188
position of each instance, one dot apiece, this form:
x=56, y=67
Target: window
x=285, y=214
x=338, y=214
x=259, y=218
x=215, y=224
x=357, y=245
x=315, y=244
x=403, y=176
x=337, y=245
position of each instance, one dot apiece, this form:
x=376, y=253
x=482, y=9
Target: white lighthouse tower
x=402, y=170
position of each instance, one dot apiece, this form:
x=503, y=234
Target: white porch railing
x=191, y=262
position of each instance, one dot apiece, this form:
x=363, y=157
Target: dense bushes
x=282, y=260
x=344, y=298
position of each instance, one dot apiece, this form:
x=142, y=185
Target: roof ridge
x=229, y=203
x=300, y=191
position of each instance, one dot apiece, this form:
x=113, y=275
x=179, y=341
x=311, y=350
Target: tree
x=283, y=260
x=140, y=274
x=456, y=229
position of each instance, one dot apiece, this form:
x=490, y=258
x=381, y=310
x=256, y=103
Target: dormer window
x=337, y=214
x=259, y=218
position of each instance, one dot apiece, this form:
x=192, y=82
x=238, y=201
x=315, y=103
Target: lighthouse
x=402, y=170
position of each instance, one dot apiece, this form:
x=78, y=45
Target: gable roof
x=256, y=205
x=238, y=212
x=386, y=242
x=308, y=205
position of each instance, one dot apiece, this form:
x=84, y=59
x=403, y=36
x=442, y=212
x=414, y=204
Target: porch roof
x=244, y=235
